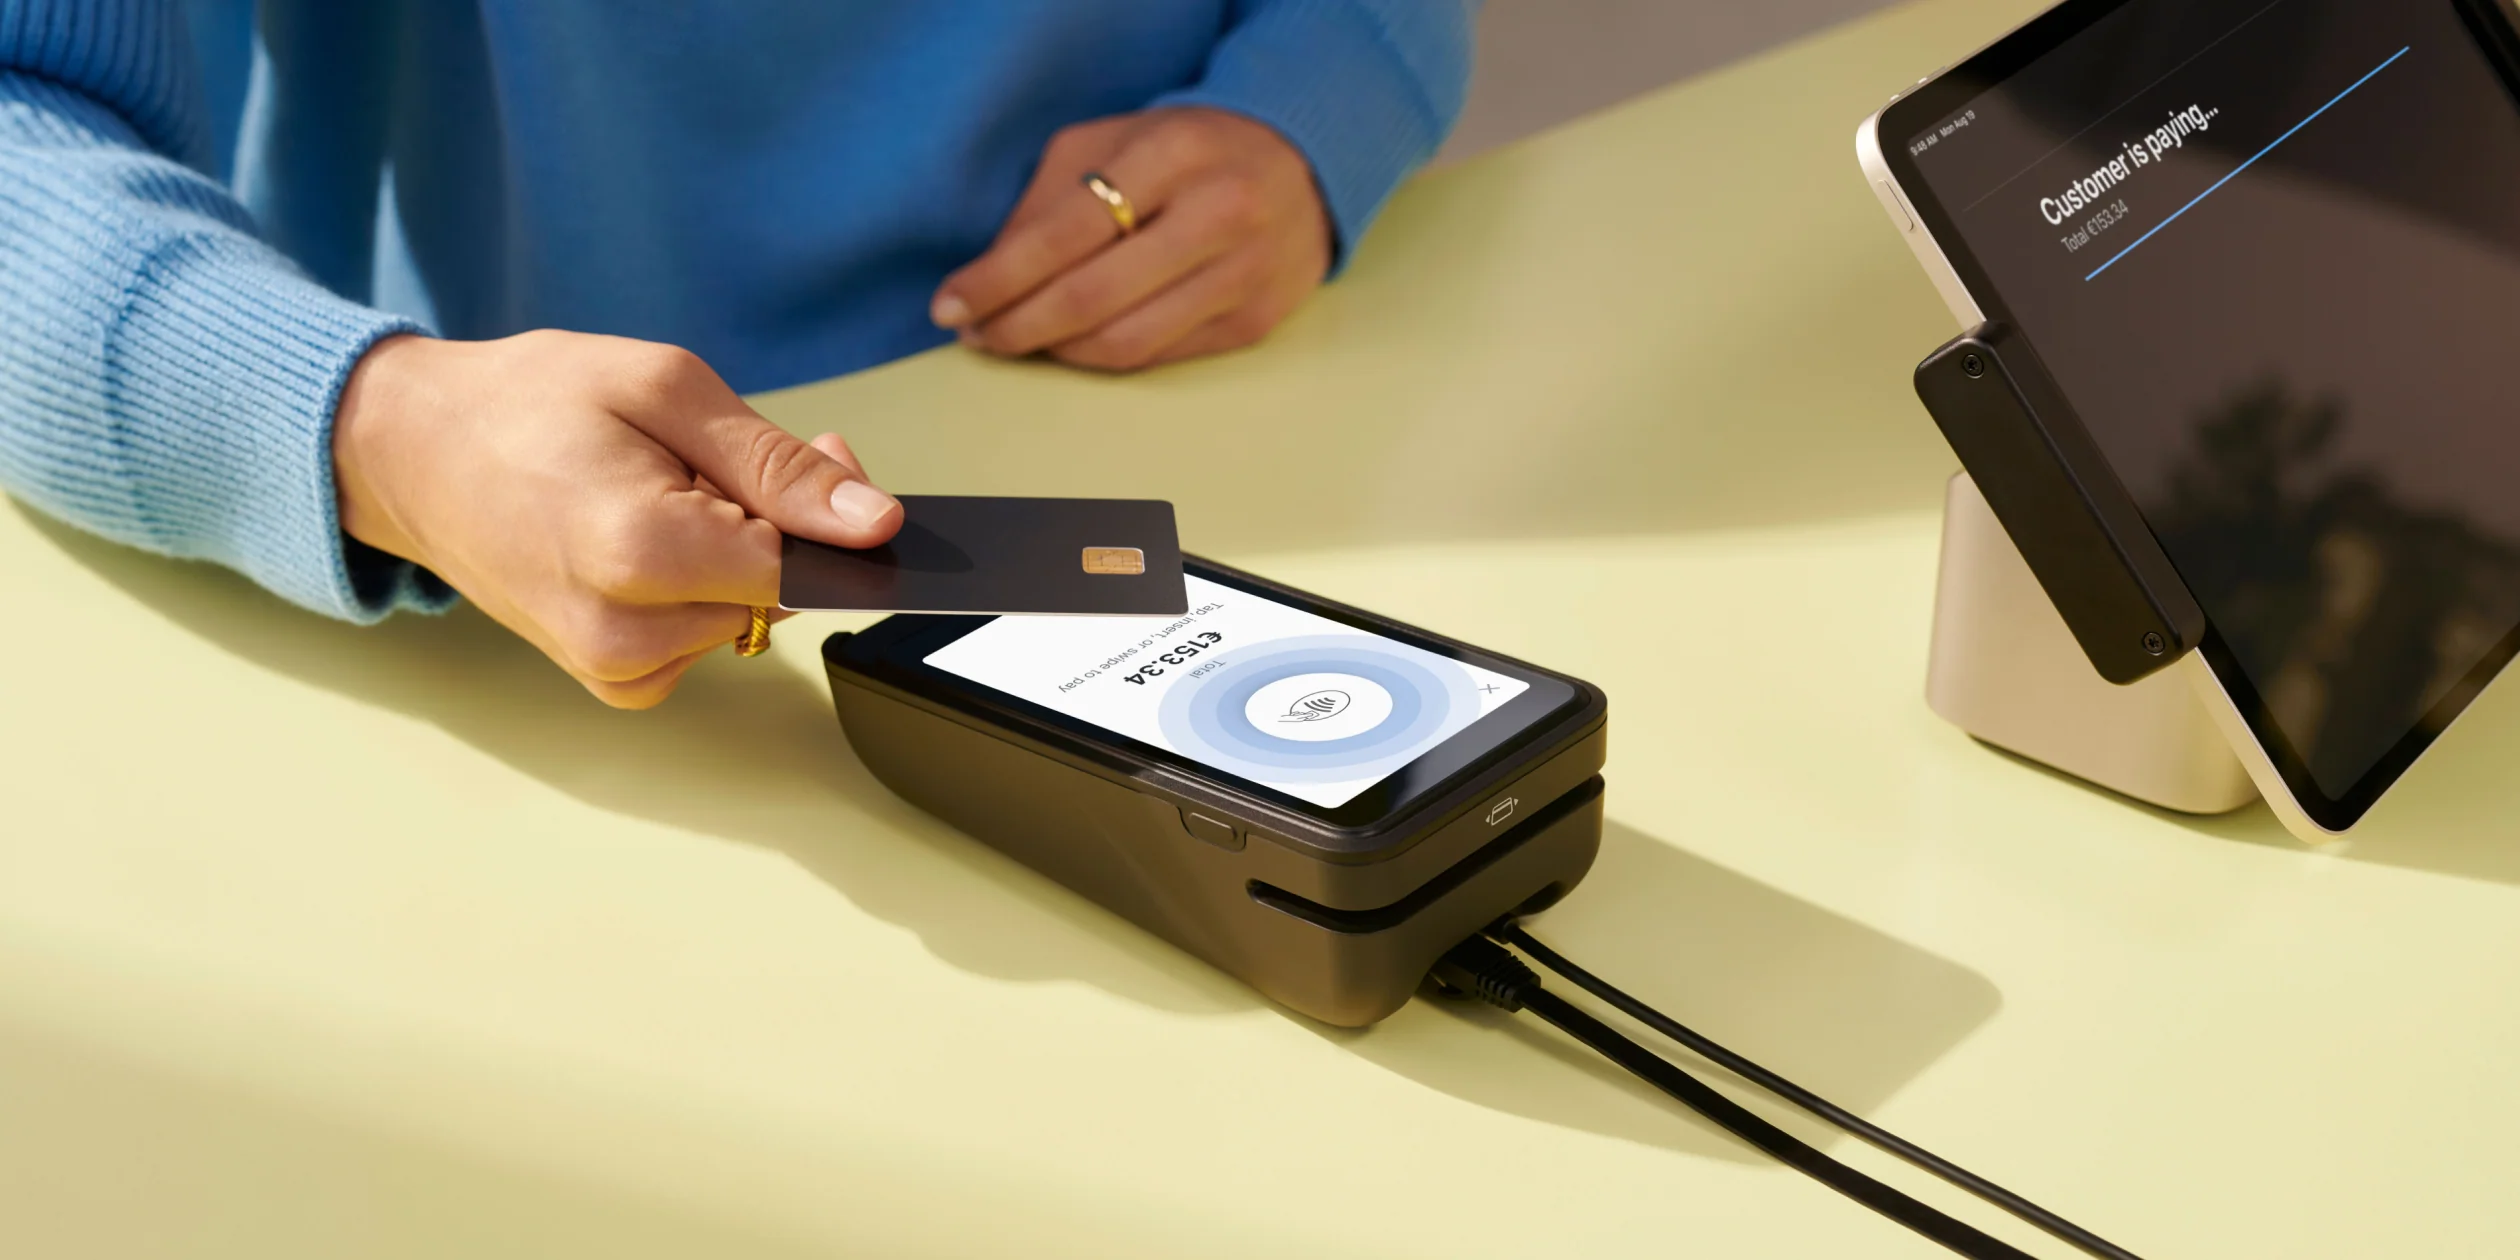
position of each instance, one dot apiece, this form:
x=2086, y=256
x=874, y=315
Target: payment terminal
x=1315, y=799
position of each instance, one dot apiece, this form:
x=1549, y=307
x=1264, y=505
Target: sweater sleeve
x=1365, y=89
x=167, y=379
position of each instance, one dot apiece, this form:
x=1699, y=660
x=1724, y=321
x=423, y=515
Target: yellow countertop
x=320, y=941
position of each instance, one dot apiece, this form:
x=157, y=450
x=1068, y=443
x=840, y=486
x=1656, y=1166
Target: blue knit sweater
x=209, y=209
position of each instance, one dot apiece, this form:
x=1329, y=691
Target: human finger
x=689, y=546
x=1230, y=331
x=1138, y=337
x=1244, y=324
x=1066, y=231
x=621, y=644
x=647, y=691
x=1072, y=151
x=1104, y=286
x=833, y=445
x=682, y=405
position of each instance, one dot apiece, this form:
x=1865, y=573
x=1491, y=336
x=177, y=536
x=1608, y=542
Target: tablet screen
x=2271, y=252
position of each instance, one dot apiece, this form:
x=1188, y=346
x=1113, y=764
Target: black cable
x=1491, y=973
x=1512, y=933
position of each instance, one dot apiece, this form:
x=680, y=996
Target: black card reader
x=1315, y=799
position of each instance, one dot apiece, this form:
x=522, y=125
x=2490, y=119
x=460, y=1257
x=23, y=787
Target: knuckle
x=669, y=365
x=613, y=573
x=652, y=372
x=600, y=570
x=666, y=357
x=776, y=461
x=611, y=557
x=1069, y=136
x=602, y=645
x=1240, y=205
x=1182, y=143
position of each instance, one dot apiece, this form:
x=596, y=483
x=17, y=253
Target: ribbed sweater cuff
x=1329, y=76
x=224, y=369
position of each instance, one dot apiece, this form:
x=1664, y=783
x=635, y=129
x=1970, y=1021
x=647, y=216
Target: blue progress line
x=2235, y=172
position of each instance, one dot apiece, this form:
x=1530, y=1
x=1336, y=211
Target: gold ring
x=756, y=637
x=1117, y=201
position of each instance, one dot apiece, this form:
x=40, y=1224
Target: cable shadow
x=747, y=751
x=1843, y=1009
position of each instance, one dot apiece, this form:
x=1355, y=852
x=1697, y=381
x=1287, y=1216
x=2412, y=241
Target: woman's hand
x=1231, y=236
x=612, y=501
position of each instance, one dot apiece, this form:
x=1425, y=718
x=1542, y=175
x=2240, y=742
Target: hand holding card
x=963, y=554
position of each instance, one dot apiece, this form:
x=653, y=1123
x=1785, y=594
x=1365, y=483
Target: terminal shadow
x=750, y=751
x=747, y=751
x=1838, y=1007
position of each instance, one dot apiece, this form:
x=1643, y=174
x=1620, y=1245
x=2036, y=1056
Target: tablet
x=2270, y=250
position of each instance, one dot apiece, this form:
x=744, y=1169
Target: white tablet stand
x=2005, y=669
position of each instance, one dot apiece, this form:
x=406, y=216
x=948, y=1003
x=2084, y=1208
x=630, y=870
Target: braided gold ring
x=1122, y=212
x=756, y=637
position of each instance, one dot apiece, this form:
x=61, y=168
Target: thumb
x=798, y=488
x=773, y=475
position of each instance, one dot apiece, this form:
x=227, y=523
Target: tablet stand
x=2005, y=668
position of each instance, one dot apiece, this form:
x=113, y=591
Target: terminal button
x=1213, y=830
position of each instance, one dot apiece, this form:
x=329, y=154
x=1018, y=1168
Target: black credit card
x=964, y=554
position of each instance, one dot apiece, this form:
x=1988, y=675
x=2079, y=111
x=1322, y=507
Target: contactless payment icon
x=1313, y=708
x=1322, y=716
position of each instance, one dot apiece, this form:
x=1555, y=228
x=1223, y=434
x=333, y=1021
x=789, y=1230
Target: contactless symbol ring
x=756, y=638
x=1122, y=212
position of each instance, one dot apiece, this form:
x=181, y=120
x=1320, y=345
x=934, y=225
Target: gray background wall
x=1543, y=62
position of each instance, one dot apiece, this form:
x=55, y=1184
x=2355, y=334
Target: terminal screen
x=2271, y=253
x=1285, y=698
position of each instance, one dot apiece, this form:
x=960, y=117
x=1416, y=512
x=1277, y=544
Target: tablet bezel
x=2271, y=756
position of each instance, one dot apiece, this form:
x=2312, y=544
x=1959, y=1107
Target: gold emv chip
x=1123, y=561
